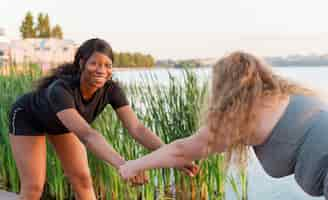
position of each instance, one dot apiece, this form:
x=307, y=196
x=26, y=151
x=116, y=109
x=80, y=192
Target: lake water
x=261, y=186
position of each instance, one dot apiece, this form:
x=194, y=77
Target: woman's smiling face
x=97, y=70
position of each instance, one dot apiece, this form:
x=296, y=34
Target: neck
x=86, y=91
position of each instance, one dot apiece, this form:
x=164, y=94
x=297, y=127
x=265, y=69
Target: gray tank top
x=292, y=134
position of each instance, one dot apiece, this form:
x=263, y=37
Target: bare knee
x=31, y=190
x=80, y=179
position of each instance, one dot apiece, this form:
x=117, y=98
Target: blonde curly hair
x=239, y=80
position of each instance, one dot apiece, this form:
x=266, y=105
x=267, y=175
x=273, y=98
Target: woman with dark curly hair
x=250, y=106
x=61, y=110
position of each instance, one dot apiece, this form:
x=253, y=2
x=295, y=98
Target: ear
x=81, y=64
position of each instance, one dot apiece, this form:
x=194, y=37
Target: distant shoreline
x=205, y=66
x=291, y=66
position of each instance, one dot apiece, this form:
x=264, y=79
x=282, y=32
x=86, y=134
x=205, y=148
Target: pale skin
x=30, y=151
x=195, y=147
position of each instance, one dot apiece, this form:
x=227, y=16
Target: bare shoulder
x=269, y=115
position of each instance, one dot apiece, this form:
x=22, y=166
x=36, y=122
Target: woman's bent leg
x=29, y=153
x=73, y=157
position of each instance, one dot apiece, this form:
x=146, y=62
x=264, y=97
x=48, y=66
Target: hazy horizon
x=185, y=29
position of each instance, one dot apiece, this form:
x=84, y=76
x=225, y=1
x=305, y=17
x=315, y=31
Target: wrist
x=160, y=145
x=119, y=163
x=139, y=165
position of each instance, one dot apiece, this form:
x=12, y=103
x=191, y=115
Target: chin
x=98, y=85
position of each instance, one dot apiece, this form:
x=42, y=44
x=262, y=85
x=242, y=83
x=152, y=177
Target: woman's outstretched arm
x=176, y=154
x=137, y=130
x=90, y=137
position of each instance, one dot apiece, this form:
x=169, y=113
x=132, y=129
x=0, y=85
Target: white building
x=46, y=52
x=42, y=51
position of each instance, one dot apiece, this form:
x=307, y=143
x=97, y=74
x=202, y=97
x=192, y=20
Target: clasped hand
x=130, y=173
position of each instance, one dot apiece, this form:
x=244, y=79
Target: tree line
x=40, y=29
x=124, y=59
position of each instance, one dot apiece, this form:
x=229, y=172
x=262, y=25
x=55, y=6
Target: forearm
x=98, y=145
x=94, y=141
x=147, y=138
x=177, y=154
x=170, y=155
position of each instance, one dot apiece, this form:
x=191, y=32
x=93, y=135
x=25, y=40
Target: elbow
x=84, y=140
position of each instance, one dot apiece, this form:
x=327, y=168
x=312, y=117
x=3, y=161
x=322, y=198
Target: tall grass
x=171, y=111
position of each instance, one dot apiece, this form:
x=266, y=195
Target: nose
x=102, y=68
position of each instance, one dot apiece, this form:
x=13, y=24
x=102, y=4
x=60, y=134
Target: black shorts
x=21, y=122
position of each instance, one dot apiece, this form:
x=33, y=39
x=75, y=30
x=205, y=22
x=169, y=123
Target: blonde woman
x=250, y=106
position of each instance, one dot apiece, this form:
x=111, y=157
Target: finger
x=138, y=183
x=134, y=180
x=187, y=172
x=195, y=169
x=147, y=178
x=191, y=169
x=144, y=178
x=139, y=180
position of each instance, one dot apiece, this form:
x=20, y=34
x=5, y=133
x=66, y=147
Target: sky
x=182, y=29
